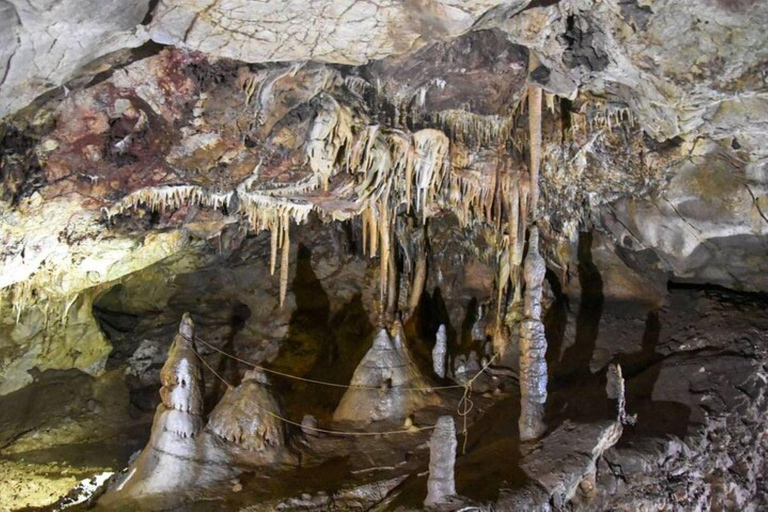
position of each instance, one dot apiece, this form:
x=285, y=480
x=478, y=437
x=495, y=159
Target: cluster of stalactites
x=271, y=209
x=171, y=197
x=181, y=379
x=330, y=134
x=472, y=129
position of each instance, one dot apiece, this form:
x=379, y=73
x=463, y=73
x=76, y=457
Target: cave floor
x=680, y=363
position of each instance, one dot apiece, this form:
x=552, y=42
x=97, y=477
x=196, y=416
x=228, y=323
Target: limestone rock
x=565, y=458
x=387, y=373
x=533, y=345
x=45, y=44
x=344, y=32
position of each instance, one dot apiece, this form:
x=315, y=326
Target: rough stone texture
x=709, y=225
x=441, y=483
x=345, y=32
x=560, y=462
x=44, y=44
x=533, y=345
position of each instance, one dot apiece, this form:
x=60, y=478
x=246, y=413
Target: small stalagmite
x=439, y=352
x=384, y=384
x=442, y=458
x=615, y=388
x=248, y=416
x=533, y=345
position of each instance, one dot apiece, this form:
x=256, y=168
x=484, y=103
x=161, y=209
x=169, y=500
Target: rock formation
x=441, y=483
x=248, y=416
x=387, y=384
x=439, y=352
x=177, y=455
x=394, y=160
x=533, y=346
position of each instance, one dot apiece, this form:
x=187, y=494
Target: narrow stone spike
x=284, y=261
x=419, y=279
x=385, y=233
x=273, y=249
x=534, y=129
x=441, y=483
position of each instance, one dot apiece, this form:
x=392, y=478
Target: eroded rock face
x=346, y=32
x=45, y=44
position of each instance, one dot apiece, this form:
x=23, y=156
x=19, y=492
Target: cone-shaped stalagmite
x=248, y=416
x=533, y=345
x=172, y=458
x=382, y=385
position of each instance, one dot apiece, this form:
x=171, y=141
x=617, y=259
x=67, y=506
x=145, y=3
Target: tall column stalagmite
x=533, y=345
x=533, y=342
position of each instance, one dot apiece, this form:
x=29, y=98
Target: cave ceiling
x=133, y=130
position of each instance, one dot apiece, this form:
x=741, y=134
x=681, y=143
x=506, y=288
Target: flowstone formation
x=387, y=384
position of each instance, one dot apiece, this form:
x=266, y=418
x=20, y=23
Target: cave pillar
x=533, y=345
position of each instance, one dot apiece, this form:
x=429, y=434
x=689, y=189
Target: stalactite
x=419, y=280
x=385, y=232
x=330, y=133
x=473, y=129
x=284, y=260
x=534, y=129
x=533, y=345
x=430, y=151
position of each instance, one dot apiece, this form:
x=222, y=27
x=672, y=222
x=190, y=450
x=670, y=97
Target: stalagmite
x=173, y=457
x=181, y=377
x=533, y=345
x=616, y=390
x=442, y=458
x=382, y=386
x=247, y=417
x=439, y=352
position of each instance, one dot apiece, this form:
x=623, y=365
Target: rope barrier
x=468, y=403
x=319, y=382
x=315, y=429
x=466, y=399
